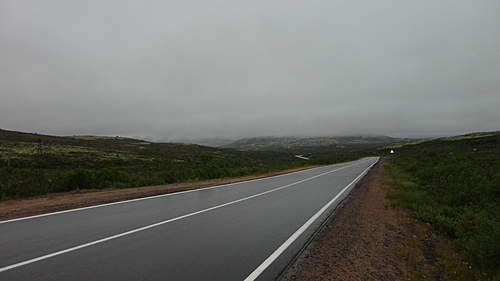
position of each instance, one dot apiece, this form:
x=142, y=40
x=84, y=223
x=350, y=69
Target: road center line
x=44, y=257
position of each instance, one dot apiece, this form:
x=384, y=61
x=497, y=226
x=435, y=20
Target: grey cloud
x=188, y=69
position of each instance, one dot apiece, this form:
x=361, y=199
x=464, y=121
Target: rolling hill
x=35, y=164
x=307, y=145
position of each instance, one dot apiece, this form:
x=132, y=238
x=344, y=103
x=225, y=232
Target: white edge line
x=267, y=262
x=9, y=267
x=158, y=196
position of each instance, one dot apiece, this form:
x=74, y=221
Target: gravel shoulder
x=368, y=239
x=16, y=208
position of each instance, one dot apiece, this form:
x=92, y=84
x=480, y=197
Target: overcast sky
x=207, y=68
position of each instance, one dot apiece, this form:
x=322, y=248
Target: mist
x=201, y=69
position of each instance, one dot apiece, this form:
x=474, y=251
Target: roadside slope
x=367, y=240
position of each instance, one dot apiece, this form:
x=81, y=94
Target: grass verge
x=454, y=186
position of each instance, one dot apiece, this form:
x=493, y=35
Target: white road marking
x=9, y=267
x=302, y=157
x=151, y=197
x=258, y=271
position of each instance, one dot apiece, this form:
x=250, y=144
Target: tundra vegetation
x=33, y=164
x=308, y=145
x=454, y=185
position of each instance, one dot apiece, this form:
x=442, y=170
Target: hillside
x=453, y=184
x=314, y=144
x=34, y=164
x=212, y=142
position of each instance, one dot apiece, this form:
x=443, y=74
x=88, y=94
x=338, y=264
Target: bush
x=81, y=179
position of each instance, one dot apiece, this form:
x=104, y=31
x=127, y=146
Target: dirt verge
x=367, y=239
x=10, y=209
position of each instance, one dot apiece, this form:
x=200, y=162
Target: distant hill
x=452, y=138
x=314, y=144
x=211, y=142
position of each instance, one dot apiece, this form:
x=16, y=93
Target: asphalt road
x=243, y=231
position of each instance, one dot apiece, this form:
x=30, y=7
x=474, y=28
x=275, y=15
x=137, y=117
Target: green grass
x=454, y=185
x=401, y=144
x=469, y=136
x=33, y=164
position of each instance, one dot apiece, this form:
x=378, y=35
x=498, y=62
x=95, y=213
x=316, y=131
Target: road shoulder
x=368, y=239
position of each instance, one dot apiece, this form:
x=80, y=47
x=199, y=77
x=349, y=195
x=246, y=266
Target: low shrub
x=454, y=186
